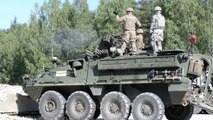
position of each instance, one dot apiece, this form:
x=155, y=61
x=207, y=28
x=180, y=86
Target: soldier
x=130, y=22
x=156, y=29
x=139, y=39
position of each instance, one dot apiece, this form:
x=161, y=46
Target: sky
x=21, y=9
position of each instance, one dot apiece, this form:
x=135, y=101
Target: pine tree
x=105, y=22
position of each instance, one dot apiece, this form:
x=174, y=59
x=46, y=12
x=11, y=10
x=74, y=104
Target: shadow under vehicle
x=145, y=85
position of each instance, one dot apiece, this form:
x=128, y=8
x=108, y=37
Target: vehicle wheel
x=208, y=112
x=211, y=103
x=51, y=105
x=80, y=106
x=115, y=106
x=197, y=110
x=179, y=112
x=147, y=106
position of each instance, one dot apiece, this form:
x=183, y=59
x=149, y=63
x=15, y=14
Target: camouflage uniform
x=139, y=39
x=156, y=29
x=130, y=22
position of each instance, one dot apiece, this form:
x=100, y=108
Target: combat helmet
x=139, y=31
x=129, y=9
x=157, y=8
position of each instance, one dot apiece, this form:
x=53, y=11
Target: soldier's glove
x=115, y=13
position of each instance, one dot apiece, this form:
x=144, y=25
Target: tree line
x=66, y=29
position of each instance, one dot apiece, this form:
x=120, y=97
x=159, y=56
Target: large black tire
x=51, y=105
x=147, y=106
x=80, y=106
x=179, y=112
x=115, y=106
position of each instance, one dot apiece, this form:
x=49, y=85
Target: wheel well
x=132, y=90
x=67, y=90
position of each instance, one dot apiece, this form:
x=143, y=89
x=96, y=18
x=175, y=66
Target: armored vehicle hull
x=144, y=85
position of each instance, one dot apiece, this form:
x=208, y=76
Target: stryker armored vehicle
x=146, y=86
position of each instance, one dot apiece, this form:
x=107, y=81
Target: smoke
x=75, y=41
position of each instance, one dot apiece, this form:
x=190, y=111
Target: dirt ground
x=5, y=92
x=10, y=117
x=7, y=117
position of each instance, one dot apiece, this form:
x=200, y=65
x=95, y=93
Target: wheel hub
x=79, y=107
x=146, y=110
x=114, y=108
x=50, y=106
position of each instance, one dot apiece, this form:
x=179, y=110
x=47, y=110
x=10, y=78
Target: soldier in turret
x=130, y=23
x=156, y=29
x=139, y=39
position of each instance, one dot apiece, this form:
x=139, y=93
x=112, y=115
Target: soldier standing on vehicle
x=139, y=39
x=129, y=22
x=156, y=29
